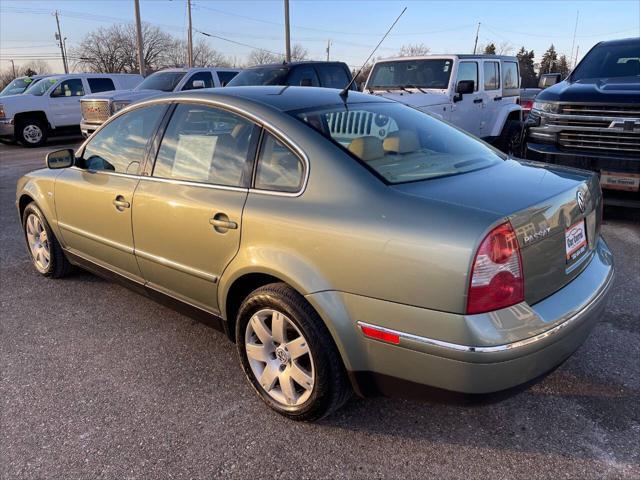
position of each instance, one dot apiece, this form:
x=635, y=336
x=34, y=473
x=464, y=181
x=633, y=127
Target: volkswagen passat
x=342, y=242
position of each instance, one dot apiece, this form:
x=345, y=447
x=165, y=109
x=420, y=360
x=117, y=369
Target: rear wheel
x=31, y=132
x=288, y=355
x=46, y=253
x=510, y=140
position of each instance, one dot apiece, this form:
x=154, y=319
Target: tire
x=31, y=132
x=327, y=384
x=34, y=225
x=510, y=140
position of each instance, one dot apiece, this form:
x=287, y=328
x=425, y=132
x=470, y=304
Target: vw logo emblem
x=581, y=201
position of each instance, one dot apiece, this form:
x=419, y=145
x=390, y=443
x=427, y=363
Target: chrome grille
x=623, y=142
x=95, y=110
x=350, y=123
x=602, y=110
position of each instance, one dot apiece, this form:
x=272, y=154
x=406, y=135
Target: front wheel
x=45, y=251
x=511, y=138
x=288, y=355
x=31, y=132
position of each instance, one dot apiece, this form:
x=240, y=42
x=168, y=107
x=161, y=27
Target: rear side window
x=469, y=71
x=333, y=76
x=207, y=145
x=225, y=77
x=199, y=76
x=120, y=146
x=491, y=76
x=510, y=76
x=303, y=76
x=279, y=169
x=69, y=88
x=100, y=85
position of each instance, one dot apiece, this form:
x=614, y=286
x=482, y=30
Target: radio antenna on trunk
x=345, y=91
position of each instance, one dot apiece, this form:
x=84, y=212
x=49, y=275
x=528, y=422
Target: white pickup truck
x=52, y=105
x=477, y=93
x=96, y=109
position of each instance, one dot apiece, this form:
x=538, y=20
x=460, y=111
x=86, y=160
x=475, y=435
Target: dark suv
x=591, y=120
x=306, y=74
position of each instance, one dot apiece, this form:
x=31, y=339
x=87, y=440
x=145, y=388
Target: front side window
x=278, y=169
x=491, y=76
x=163, y=81
x=510, y=76
x=226, y=77
x=400, y=144
x=97, y=85
x=69, y=88
x=333, y=76
x=469, y=71
x=260, y=76
x=204, y=77
x=304, y=76
x=120, y=146
x=411, y=73
x=207, y=145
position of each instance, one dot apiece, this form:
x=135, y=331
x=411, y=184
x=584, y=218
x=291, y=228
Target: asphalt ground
x=99, y=382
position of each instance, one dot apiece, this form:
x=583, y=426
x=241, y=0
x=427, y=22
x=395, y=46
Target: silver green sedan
x=344, y=243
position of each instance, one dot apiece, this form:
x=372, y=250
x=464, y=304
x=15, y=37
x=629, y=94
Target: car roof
x=193, y=69
x=464, y=56
x=293, y=64
x=283, y=98
x=621, y=41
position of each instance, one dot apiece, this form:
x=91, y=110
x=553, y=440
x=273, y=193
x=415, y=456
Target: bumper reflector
x=380, y=335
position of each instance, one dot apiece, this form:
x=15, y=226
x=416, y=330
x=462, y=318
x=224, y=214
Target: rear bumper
x=471, y=353
x=7, y=129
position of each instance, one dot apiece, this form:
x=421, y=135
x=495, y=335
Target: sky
x=353, y=27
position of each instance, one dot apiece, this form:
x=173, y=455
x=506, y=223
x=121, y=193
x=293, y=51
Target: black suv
x=591, y=120
x=306, y=74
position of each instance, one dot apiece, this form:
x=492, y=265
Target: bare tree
x=299, y=53
x=413, y=50
x=203, y=55
x=262, y=57
x=505, y=48
x=34, y=67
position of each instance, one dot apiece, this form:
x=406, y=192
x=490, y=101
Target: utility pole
x=328, y=48
x=575, y=30
x=475, y=45
x=139, y=39
x=13, y=67
x=287, y=36
x=59, y=38
x=189, y=37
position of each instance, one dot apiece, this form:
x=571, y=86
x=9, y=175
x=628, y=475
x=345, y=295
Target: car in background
x=96, y=109
x=591, y=120
x=303, y=74
x=51, y=106
x=477, y=93
x=335, y=262
x=526, y=100
x=20, y=84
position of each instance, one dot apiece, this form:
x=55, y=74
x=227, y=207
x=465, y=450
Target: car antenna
x=345, y=91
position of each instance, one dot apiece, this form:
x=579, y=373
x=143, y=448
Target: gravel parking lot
x=99, y=382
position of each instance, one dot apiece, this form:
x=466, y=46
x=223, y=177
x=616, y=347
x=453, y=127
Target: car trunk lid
x=543, y=203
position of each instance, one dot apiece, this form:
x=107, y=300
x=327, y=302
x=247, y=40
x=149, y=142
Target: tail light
x=496, y=276
x=527, y=104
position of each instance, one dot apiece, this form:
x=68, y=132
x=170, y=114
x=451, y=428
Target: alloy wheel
x=38, y=242
x=279, y=357
x=32, y=133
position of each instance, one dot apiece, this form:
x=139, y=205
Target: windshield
x=398, y=142
x=41, y=87
x=164, y=81
x=260, y=76
x=411, y=73
x=18, y=86
x=606, y=61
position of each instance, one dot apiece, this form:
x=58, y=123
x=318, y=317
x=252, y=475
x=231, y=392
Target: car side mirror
x=306, y=82
x=60, y=159
x=197, y=84
x=464, y=87
x=548, y=80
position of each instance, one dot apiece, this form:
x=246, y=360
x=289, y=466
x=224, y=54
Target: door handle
x=221, y=223
x=477, y=100
x=120, y=203
x=497, y=99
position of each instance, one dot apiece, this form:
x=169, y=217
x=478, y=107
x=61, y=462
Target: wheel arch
x=39, y=114
x=510, y=112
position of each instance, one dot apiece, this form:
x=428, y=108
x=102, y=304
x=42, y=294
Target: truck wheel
x=510, y=140
x=31, y=132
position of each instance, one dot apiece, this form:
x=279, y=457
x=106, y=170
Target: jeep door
x=94, y=198
x=467, y=113
x=64, y=102
x=492, y=95
x=188, y=212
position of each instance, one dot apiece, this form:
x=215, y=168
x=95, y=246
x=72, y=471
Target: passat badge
x=581, y=201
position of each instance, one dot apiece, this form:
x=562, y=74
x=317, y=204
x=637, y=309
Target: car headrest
x=403, y=141
x=367, y=148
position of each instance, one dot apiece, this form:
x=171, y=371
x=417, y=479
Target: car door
x=188, y=213
x=492, y=95
x=64, y=101
x=203, y=76
x=467, y=113
x=94, y=198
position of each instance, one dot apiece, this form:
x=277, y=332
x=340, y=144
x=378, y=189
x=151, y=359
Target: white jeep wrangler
x=477, y=93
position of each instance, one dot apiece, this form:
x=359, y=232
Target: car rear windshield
x=398, y=143
x=606, y=61
x=18, y=86
x=164, y=81
x=260, y=76
x=411, y=73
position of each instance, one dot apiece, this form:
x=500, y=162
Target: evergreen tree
x=563, y=66
x=549, y=62
x=527, y=71
x=490, y=49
